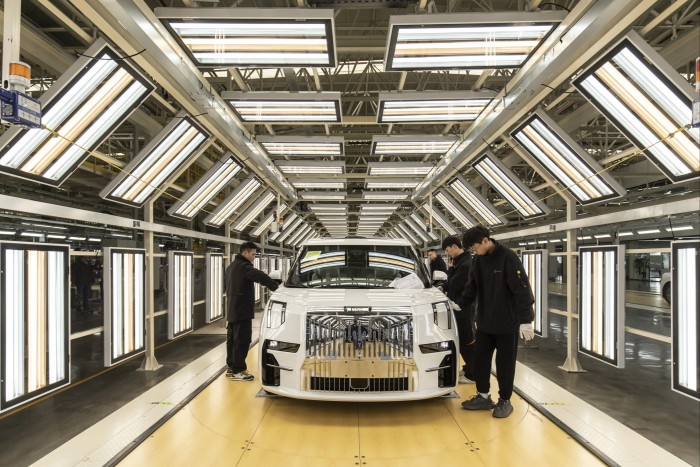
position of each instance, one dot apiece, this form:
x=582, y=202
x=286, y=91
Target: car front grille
x=359, y=384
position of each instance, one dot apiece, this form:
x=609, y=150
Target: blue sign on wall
x=20, y=109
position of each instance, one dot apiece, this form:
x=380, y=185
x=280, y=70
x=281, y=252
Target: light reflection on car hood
x=358, y=297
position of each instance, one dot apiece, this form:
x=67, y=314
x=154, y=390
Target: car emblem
x=358, y=309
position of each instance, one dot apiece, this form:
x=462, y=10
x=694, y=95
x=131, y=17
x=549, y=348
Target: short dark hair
x=475, y=235
x=451, y=240
x=246, y=246
x=432, y=250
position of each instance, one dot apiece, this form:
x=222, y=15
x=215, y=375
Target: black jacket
x=499, y=284
x=239, y=278
x=457, y=277
x=438, y=264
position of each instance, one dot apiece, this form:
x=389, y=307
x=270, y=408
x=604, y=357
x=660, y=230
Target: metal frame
x=539, y=278
x=433, y=96
x=174, y=284
x=676, y=320
x=285, y=97
x=214, y=287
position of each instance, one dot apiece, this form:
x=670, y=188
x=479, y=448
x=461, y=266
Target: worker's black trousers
x=238, y=337
x=466, y=342
x=506, y=347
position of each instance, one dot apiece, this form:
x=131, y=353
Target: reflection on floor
x=636, y=297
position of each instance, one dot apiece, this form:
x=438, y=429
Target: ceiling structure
x=364, y=141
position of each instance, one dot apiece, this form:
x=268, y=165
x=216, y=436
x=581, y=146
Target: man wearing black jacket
x=498, y=282
x=457, y=277
x=239, y=278
x=436, y=262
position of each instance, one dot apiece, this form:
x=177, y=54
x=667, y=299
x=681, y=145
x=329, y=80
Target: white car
x=338, y=330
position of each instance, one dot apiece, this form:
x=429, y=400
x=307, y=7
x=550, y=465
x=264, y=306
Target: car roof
x=357, y=241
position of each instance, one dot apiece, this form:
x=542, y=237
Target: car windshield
x=354, y=266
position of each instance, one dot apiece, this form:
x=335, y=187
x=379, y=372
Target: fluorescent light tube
x=180, y=289
x=412, y=145
x=285, y=107
x=31, y=234
x=384, y=195
x=477, y=202
x=380, y=183
x=317, y=183
x=79, y=239
x=625, y=234
x=302, y=146
x=451, y=206
x=234, y=201
x=404, y=232
x=648, y=231
x=214, y=287
x=441, y=219
x=291, y=228
x=262, y=226
x=323, y=195
x=679, y=228
x=12, y=232
x=253, y=211
x=429, y=107
x=311, y=167
x=399, y=168
x=420, y=224
x=685, y=312
x=601, y=236
x=535, y=264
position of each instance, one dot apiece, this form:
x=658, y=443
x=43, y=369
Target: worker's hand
x=526, y=332
x=454, y=306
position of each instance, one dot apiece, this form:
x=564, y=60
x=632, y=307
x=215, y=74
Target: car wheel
x=666, y=293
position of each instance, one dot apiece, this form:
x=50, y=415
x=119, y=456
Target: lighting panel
x=253, y=211
x=430, y=107
x=440, y=218
x=535, y=263
x=323, y=195
x=35, y=324
x=380, y=183
x=509, y=186
x=323, y=209
x=84, y=106
x=421, y=224
x=370, y=209
x=566, y=160
x=685, y=310
x=451, y=206
x=477, y=202
x=290, y=229
x=173, y=149
x=262, y=226
x=304, y=238
x=234, y=201
x=257, y=264
x=461, y=41
x=302, y=146
x=384, y=195
x=602, y=303
x=311, y=167
x=327, y=184
x=285, y=107
x=180, y=301
x=202, y=192
x=647, y=100
x=300, y=233
x=411, y=144
x=215, y=287
x=251, y=37
x=405, y=233
x=399, y=168
x=124, y=303
x=412, y=226
x=292, y=217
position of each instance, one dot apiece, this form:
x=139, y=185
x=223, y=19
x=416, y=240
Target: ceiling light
x=585, y=237
x=173, y=149
x=233, y=202
x=317, y=183
x=11, y=232
x=320, y=208
x=407, y=145
x=477, y=202
x=384, y=195
x=262, y=226
x=390, y=183
x=272, y=107
x=601, y=236
x=418, y=223
x=300, y=232
x=202, y=192
x=637, y=90
x=322, y=195
x=287, y=224
x=85, y=105
x=509, y=186
x=625, y=234
x=253, y=211
x=650, y=231
x=405, y=233
x=78, y=239
x=466, y=40
x=440, y=218
x=451, y=206
x=555, y=240
x=311, y=167
x=253, y=37
x=429, y=107
x=679, y=228
x=302, y=146
x=399, y=168
x=31, y=234
x=566, y=160
x=291, y=228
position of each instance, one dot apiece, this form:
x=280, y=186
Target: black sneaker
x=478, y=403
x=229, y=371
x=502, y=409
x=242, y=376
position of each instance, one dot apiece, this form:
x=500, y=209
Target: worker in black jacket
x=239, y=278
x=457, y=277
x=504, y=298
x=436, y=262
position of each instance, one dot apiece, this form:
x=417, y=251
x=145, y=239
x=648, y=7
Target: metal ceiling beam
x=62, y=18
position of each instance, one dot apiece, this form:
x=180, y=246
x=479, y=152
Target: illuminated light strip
x=235, y=200
x=206, y=188
x=299, y=234
x=384, y=195
x=180, y=301
x=477, y=202
x=292, y=217
x=323, y=195
x=393, y=259
x=311, y=234
x=419, y=222
x=403, y=231
x=262, y=226
x=405, y=145
x=214, y=287
x=253, y=211
x=414, y=107
x=685, y=310
x=451, y=206
x=269, y=107
x=324, y=260
x=311, y=167
x=535, y=263
x=289, y=229
x=390, y=183
x=302, y=146
x=411, y=226
x=320, y=183
x=399, y=168
x=440, y=218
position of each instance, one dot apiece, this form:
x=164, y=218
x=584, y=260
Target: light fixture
x=405, y=233
x=257, y=264
x=234, y=201
x=625, y=234
x=477, y=202
x=535, y=264
x=384, y=195
x=328, y=184
x=289, y=229
x=12, y=232
x=251, y=37
x=285, y=107
x=451, y=206
x=202, y=192
x=300, y=232
x=416, y=228
x=34, y=345
x=79, y=239
x=380, y=183
x=173, y=149
x=304, y=238
x=509, y=186
x=323, y=195
x=599, y=236
x=584, y=237
x=685, y=312
x=214, y=287
x=566, y=160
x=457, y=41
x=32, y=234
x=679, y=228
x=302, y=146
x=648, y=231
x=124, y=303
x=180, y=298
x=85, y=105
x=440, y=218
x=602, y=303
x=411, y=144
x=287, y=223
x=399, y=168
x=53, y=236
x=329, y=208
x=311, y=167
x=319, y=260
x=253, y=211
x=555, y=240
x=262, y=226
x=421, y=225
x=429, y=107
x=649, y=102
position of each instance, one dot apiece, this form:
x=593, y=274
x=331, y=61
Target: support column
x=149, y=362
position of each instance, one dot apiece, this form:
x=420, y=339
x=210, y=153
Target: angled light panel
x=441, y=219
x=180, y=298
x=211, y=183
x=323, y=195
x=262, y=226
x=509, y=186
x=384, y=195
x=399, y=168
x=84, y=106
x=535, y=263
x=430, y=107
x=302, y=146
x=407, y=234
x=602, y=303
x=566, y=160
x=285, y=107
x=478, y=203
x=311, y=167
x=174, y=148
x=290, y=229
x=234, y=201
x=466, y=40
x=420, y=223
x=685, y=309
x=411, y=145
x=215, y=287
x=124, y=304
x=253, y=211
x=455, y=209
x=416, y=228
x=287, y=224
x=647, y=100
x=300, y=233
x=251, y=37
x=379, y=183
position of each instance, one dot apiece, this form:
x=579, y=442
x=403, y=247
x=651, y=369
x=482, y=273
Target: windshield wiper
x=296, y=286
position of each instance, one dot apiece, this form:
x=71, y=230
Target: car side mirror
x=440, y=276
x=276, y=276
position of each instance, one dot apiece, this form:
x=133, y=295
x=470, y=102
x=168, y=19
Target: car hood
x=358, y=297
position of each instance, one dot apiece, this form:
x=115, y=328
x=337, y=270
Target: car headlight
x=275, y=314
x=442, y=315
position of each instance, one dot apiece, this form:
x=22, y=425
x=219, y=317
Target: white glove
x=526, y=332
x=454, y=306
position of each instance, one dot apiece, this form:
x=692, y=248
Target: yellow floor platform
x=227, y=425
